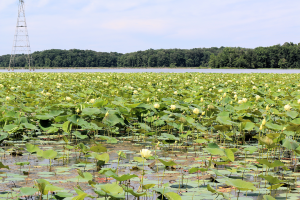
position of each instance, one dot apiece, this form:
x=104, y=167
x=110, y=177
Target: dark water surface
x=277, y=71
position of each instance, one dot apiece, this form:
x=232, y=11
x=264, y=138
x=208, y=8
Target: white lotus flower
x=244, y=100
x=175, y=92
x=156, y=105
x=220, y=90
x=7, y=98
x=135, y=92
x=196, y=111
x=145, y=153
x=287, y=107
x=298, y=101
x=257, y=97
x=254, y=88
x=68, y=98
x=240, y=101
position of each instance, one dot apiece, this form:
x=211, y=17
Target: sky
x=133, y=25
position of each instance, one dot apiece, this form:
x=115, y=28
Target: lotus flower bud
x=263, y=122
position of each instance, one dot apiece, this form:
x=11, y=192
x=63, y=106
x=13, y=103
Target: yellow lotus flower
x=106, y=114
x=261, y=127
x=240, y=101
x=7, y=98
x=173, y=107
x=201, y=100
x=203, y=113
x=267, y=108
x=210, y=106
x=145, y=153
x=156, y=105
x=68, y=98
x=257, y=97
x=298, y=101
x=92, y=101
x=244, y=100
x=175, y=92
x=196, y=111
x=135, y=92
x=287, y=107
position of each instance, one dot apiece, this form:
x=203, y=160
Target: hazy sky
x=132, y=25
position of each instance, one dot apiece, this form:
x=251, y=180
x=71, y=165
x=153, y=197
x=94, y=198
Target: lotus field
x=149, y=136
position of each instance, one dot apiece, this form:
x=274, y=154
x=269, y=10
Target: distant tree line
x=88, y=58
x=277, y=56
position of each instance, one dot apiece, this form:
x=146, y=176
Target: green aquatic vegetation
x=21, y=164
x=214, y=127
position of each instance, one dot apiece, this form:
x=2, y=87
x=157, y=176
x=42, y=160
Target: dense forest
x=277, y=56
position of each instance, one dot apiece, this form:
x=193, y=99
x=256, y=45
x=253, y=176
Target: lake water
x=277, y=71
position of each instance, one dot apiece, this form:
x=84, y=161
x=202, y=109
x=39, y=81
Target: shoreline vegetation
x=274, y=57
x=20, y=68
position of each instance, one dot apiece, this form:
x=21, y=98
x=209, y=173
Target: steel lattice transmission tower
x=21, y=43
